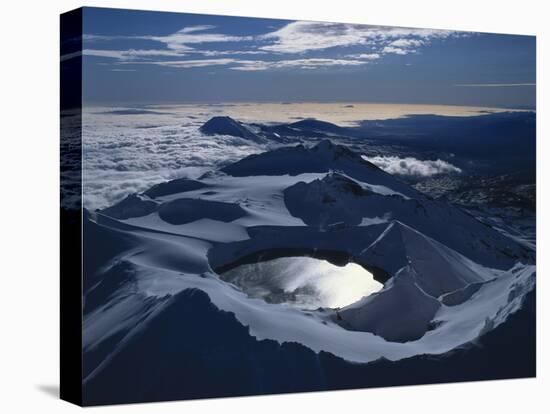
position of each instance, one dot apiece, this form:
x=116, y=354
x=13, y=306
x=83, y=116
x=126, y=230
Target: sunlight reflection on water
x=304, y=282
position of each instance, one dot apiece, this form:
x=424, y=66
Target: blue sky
x=154, y=57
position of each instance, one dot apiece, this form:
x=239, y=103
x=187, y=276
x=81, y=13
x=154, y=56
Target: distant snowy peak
x=339, y=184
x=334, y=199
x=317, y=158
x=312, y=124
x=320, y=158
x=332, y=152
x=224, y=125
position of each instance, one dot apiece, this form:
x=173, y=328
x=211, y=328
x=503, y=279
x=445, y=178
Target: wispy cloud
x=295, y=63
x=179, y=41
x=194, y=35
x=197, y=28
x=253, y=65
x=494, y=85
x=366, y=56
x=295, y=38
x=192, y=63
x=179, y=44
x=131, y=54
x=229, y=52
x=135, y=54
x=88, y=37
x=300, y=37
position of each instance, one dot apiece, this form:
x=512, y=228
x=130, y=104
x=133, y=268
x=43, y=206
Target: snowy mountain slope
x=339, y=199
x=447, y=277
x=188, y=370
x=173, y=187
x=134, y=205
x=438, y=269
x=379, y=314
x=158, y=279
x=321, y=158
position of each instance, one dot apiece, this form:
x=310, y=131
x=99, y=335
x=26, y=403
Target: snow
x=132, y=206
x=187, y=210
x=323, y=157
x=449, y=277
x=461, y=323
x=204, y=228
x=379, y=314
x=173, y=187
x=333, y=199
x=439, y=269
x=126, y=154
x=338, y=199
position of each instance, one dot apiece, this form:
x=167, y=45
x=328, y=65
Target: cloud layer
x=128, y=150
x=303, y=45
x=413, y=167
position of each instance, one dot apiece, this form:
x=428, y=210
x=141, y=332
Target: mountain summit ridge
x=225, y=125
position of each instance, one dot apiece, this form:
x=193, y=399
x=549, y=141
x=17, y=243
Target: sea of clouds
x=129, y=151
